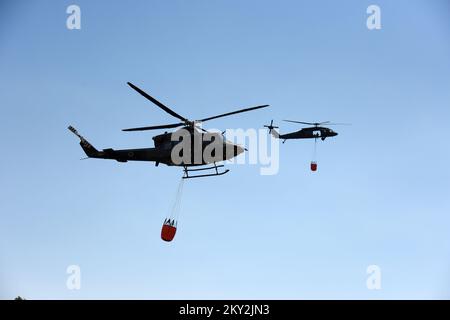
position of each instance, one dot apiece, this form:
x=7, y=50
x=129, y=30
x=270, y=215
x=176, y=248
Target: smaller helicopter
x=316, y=131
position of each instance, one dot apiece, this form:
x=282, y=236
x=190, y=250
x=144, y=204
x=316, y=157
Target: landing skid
x=215, y=167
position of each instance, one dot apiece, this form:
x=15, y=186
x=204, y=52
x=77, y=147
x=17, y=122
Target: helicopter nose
x=238, y=150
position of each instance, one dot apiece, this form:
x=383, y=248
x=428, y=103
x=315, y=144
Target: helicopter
x=185, y=147
x=316, y=131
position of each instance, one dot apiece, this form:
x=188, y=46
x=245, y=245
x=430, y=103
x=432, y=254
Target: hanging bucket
x=313, y=166
x=168, y=230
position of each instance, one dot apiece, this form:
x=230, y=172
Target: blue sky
x=380, y=196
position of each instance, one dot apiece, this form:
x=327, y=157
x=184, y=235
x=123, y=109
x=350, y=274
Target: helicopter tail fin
x=275, y=133
x=87, y=147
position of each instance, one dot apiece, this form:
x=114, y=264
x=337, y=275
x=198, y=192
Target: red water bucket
x=313, y=166
x=168, y=232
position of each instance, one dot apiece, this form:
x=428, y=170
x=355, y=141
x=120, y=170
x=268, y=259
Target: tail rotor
x=270, y=126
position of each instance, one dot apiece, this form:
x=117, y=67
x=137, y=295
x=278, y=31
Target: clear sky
x=380, y=195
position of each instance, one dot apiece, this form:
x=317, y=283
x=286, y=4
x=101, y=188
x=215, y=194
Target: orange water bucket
x=168, y=232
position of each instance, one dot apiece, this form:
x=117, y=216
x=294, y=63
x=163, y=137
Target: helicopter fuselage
x=309, y=133
x=180, y=148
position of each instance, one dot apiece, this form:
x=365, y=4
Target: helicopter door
x=317, y=133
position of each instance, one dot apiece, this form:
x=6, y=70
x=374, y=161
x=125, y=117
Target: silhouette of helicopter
x=191, y=141
x=316, y=131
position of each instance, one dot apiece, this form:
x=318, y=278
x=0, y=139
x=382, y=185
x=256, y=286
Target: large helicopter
x=190, y=143
x=316, y=131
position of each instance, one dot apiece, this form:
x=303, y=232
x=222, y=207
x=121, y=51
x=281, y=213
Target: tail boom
x=88, y=148
x=144, y=154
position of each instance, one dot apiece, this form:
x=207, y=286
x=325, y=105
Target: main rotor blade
x=204, y=130
x=164, y=126
x=309, y=123
x=338, y=124
x=159, y=104
x=234, y=112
